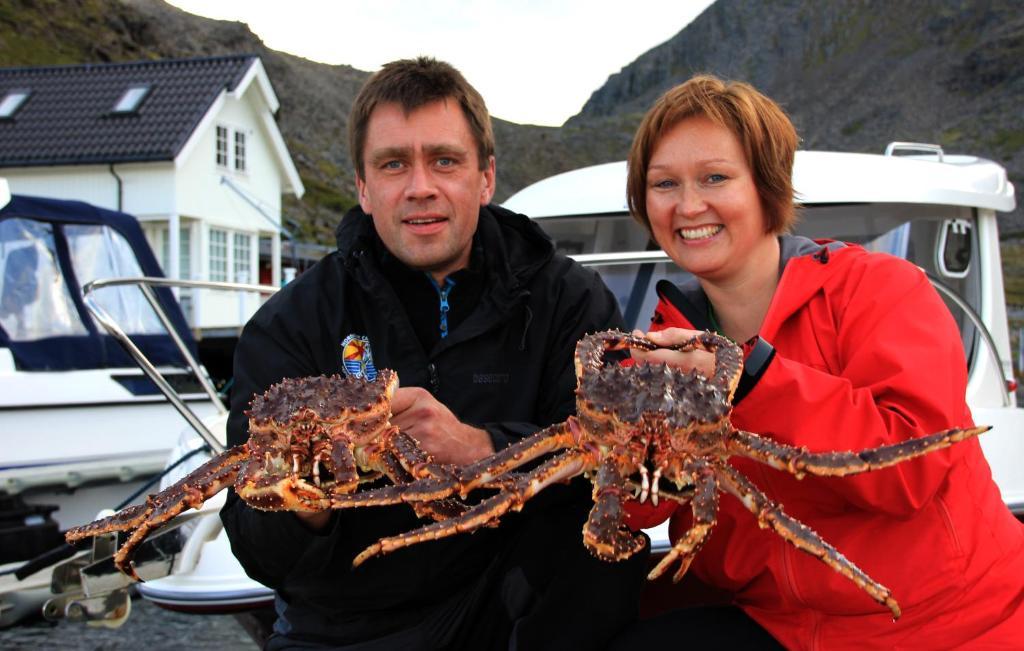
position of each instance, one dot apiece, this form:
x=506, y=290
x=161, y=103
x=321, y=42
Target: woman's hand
x=701, y=360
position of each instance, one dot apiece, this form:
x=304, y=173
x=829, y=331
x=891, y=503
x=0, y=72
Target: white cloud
x=533, y=61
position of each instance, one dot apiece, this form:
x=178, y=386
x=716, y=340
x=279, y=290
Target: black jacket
x=507, y=366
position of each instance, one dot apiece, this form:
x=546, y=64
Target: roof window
x=11, y=102
x=131, y=99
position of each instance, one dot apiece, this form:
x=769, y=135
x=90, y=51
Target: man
x=478, y=315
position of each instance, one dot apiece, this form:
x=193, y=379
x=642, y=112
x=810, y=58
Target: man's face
x=424, y=186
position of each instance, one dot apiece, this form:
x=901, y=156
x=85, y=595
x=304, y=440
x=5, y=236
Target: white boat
x=76, y=411
x=938, y=211
x=82, y=428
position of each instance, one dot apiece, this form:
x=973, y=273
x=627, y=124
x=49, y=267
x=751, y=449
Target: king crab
x=310, y=440
x=649, y=422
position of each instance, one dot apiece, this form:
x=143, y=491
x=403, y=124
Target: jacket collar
x=798, y=255
x=510, y=246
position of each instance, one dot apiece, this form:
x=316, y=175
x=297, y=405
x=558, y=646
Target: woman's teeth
x=700, y=233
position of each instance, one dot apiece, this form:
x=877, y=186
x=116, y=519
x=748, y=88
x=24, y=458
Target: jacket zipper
x=442, y=294
x=434, y=383
x=443, y=307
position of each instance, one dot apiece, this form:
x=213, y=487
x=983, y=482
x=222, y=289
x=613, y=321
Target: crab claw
x=286, y=494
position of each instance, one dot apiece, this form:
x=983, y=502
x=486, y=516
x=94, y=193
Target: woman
x=846, y=350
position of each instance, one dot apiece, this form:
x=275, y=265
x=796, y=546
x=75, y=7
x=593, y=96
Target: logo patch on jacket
x=357, y=358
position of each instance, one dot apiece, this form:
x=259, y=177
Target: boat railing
x=146, y=285
x=88, y=587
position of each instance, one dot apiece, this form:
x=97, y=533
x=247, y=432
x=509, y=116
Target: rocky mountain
x=854, y=74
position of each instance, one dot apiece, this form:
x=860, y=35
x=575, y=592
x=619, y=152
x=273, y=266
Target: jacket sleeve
x=901, y=374
x=583, y=305
x=265, y=354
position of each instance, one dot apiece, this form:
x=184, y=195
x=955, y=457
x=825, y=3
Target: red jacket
x=866, y=354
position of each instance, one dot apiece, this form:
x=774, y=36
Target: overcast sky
x=534, y=61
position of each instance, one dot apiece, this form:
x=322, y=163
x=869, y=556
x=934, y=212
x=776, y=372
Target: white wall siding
x=200, y=191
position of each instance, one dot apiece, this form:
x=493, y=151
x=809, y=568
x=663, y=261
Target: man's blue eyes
x=397, y=164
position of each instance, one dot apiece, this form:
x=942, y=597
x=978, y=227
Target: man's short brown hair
x=765, y=132
x=413, y=83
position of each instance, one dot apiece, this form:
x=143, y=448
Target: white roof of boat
x=818, y=177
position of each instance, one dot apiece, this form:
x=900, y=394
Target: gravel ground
x=148, y=626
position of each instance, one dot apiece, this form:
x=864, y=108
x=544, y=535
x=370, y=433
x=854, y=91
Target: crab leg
x=132, y=516
x=604, y=533
x=125, y=519
x=415, y=460
x=471, y=477
x=800, y=535
x=705, y=511
x=436, y=509
x=799, y=461
x=207, y=480
x=512, y=497
x=341, y=461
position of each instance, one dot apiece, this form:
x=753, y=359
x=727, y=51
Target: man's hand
x=701, y=360
x=435, y=427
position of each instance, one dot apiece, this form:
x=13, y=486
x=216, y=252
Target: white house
x=188, y=146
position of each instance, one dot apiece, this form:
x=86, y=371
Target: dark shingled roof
x=68, y=118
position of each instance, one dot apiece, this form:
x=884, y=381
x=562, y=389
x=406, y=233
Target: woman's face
x=703, y=206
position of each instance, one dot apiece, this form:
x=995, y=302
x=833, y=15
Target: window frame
x=220, y=273
x=221, y=155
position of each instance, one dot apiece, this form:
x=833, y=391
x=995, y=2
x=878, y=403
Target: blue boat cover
x=90, y=347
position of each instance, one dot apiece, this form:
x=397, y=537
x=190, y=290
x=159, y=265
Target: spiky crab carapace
x=635, y=426
x=310, y=440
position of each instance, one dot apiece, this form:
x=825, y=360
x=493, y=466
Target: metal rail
x=976, y=321
x=146, y=284
x=927, y=148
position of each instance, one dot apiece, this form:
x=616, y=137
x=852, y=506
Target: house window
x=11, y=102
x=222, y=146
x=184, y=255
x=239, y=151
x=243, y=267
x=218, y=255
x=131, y=99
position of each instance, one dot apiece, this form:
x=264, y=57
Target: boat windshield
x=937, y=238
x=36, y=300
x=101, y=252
